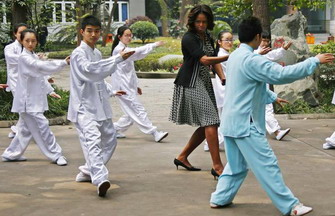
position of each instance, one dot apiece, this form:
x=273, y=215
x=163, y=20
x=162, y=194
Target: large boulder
x=292, y=27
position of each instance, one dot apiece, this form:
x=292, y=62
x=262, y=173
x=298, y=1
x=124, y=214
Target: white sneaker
x=206, y=148
x=120, y=135
x=11, y=135
x=22, y=158
x=14, y=129
x=61, y=161
x=300, y=209
x=282, y=134
x=160, y=135
x=328, y=145
x=82, y=177
x=103, y=187
x=330, y=140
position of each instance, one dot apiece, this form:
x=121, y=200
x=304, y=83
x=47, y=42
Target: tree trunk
x=19, y=13
x=79, y=11
x=183, y=12
x=260, y=10
x=107, y=29
x=164, y=17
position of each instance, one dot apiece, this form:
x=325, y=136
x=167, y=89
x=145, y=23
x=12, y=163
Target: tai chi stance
x=89, y=107
x=224, y=44
x=271, y=123
x=193, y=97
x=30, y=101
x=330, y=141
x=243, y=124
x=125, y=79
x=12, y=52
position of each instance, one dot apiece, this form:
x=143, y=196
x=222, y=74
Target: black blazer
x=192, y=48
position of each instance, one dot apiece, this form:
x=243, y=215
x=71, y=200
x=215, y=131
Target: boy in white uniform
x=271, y=123
x=330, y=141
x=89, y=108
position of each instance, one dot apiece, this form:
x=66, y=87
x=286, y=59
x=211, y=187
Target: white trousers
x=33, y=125
x=331, y=139
x=133, y=112
x=271, y=122
x=98, y=142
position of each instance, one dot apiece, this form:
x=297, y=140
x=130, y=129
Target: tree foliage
x=243, y=8
x=144, y=30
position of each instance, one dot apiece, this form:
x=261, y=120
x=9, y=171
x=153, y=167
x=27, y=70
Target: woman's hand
x=120, y=93
x=280, y=101
x=67, y=59
x=160, y=43
x=55, y=95
x=325, y=58
x=139, y=90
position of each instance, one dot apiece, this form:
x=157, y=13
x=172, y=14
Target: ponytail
x=119, y=34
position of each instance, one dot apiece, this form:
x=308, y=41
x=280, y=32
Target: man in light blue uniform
x=243, y=120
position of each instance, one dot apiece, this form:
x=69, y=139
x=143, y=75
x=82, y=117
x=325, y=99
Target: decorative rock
x=292, y=28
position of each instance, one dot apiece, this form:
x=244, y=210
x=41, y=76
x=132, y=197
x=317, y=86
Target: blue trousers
x=254, y=152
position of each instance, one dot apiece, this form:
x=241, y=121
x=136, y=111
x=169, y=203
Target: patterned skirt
x=195, y=106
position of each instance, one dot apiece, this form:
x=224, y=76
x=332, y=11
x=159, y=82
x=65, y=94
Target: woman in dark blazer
x=193, y=98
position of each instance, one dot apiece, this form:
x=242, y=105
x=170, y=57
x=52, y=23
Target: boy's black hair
x=90, y=20
x=266, y=35
x=248, y=29
x=119, y=33
x=17, y=26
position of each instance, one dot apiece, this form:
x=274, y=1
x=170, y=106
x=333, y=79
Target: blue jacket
x=246, y=92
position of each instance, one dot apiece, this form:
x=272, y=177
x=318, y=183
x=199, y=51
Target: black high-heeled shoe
x=215, y=174
x=179, y=163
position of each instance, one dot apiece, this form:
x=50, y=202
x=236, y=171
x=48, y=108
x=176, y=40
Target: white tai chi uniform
x=125, y=79
x=271, y=122
x=219, y=91
x=89, y=108
x=12, y=52
x=331, y=139
x=30, y=101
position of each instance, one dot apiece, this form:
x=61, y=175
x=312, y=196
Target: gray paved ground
x=145, y=181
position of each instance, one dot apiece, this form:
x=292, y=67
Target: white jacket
x=12, y=53
x=219, y=89
x=32, y=87
x=125, y=77
x=88, y=90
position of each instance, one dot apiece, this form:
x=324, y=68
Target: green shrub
x=149, y=63
x=59, y=54
x=172, y=65
x=144, y=30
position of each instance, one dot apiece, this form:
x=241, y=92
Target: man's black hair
x=90, y=20
x=248, y=29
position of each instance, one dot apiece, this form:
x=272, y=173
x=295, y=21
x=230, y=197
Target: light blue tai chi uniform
x=243, y=125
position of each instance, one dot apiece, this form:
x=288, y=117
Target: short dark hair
x=17, y=26
x=90, y=20
x=200, y=9
x=24, y=32
x=248, y=29
x=266, y=35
